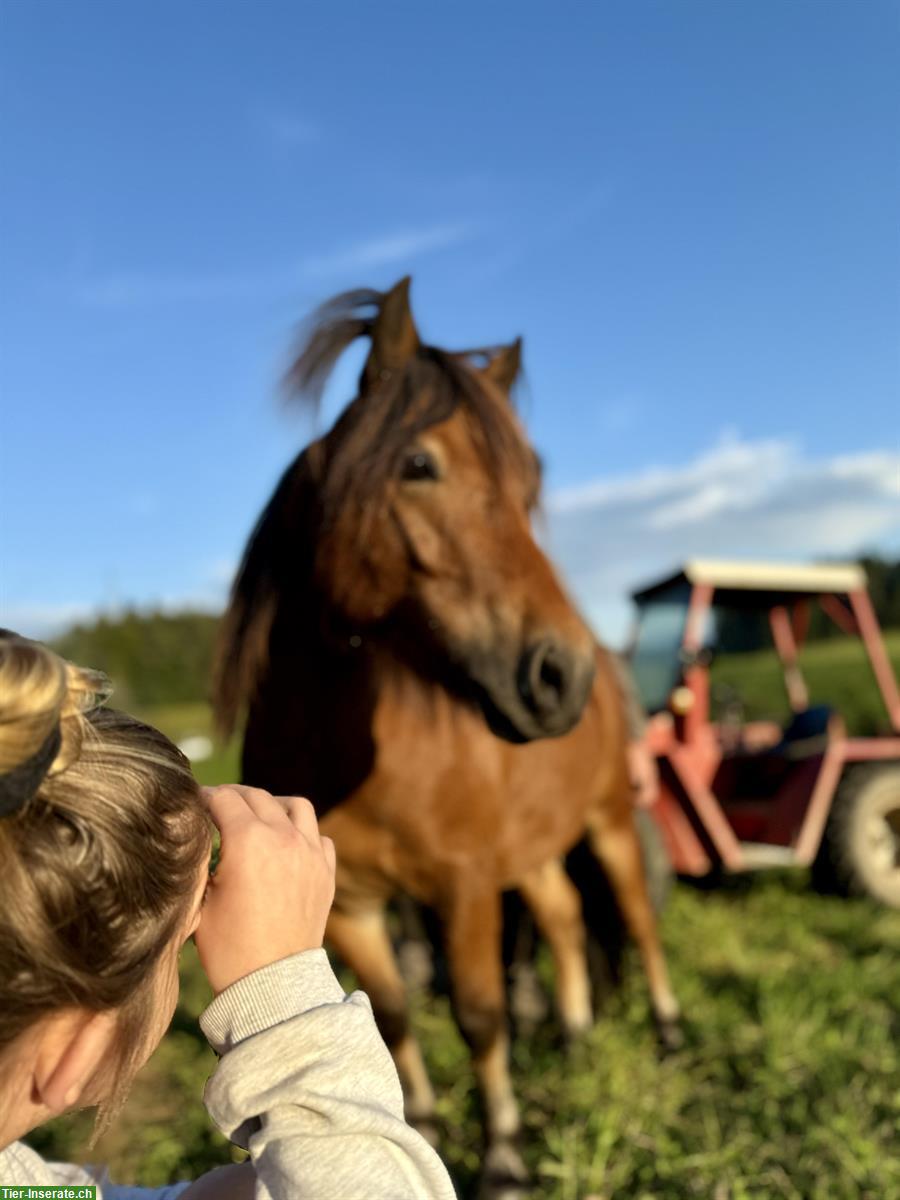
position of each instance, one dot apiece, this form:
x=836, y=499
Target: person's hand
x=644, y=775
x=272, y=889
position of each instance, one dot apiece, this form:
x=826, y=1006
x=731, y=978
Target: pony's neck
x=309, y=645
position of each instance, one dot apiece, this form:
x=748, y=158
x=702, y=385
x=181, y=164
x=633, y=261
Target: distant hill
x=151, y=657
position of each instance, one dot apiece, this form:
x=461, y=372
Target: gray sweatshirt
x=305, y=1084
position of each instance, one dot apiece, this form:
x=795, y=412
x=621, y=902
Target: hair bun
x=21, y=783
x=43, y=700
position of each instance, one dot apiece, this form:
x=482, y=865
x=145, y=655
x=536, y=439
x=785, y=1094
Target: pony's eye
x=418, y=465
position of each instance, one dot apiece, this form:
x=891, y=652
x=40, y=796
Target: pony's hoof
x=503, y=1191
x=669, y=1034
x=528, y=1003
x=505, y=1176
x=573, y=1044
x=416, y=965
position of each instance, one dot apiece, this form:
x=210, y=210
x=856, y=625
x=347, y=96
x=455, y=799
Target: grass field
x=837, y=673
x=789, y=1084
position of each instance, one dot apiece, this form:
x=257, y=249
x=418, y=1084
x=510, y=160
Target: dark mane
x=334, y=325
x=242, y=650
x=352, y=465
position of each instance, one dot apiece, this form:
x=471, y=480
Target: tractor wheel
x=657, y=864
x=860, y=850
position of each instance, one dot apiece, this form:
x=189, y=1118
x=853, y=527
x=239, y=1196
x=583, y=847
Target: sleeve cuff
x=137, y=1193
x=266, y=997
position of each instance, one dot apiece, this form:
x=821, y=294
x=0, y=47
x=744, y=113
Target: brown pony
x=408, y=659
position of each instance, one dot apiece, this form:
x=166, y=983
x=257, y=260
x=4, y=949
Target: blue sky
x=689, y=210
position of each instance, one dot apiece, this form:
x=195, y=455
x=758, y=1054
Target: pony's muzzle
x=553, y=684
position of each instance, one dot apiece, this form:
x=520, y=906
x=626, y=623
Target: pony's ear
x=503, y=369
x=394, y=336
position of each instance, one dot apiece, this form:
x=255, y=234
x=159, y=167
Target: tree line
x=151, y=657
x=737, y=632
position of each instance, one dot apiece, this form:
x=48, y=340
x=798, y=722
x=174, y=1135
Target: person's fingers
x=261, y=803
x=228, y=808
x=302, y=816
x=270, y=895
x=330, y=853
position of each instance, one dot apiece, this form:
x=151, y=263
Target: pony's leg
x=414, y=952
x=614, y=841
x=472, y=917
x=362, y=941
x=527, y=1002
x=556, y=904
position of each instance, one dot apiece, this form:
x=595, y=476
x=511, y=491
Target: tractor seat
x=806, y=733
x=757, y=776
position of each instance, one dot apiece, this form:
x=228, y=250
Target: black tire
x=860, y=850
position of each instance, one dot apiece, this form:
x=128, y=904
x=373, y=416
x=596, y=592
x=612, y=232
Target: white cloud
x=47, y=621
x=44, y=620
x=137, y=289
x=391, y=248
x=741, y=499
x=730, y=456
x=208, y=593
x=880, y=467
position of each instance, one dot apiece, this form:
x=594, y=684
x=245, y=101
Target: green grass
x=180, y=721
x=837, y=673
x=789, y=1085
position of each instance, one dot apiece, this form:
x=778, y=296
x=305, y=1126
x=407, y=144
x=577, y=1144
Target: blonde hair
x=99, y=864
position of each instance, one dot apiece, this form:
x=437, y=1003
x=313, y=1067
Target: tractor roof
x=762, y=583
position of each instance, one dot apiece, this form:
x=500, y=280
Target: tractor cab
x=739, y=791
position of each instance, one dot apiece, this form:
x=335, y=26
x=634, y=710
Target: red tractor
x=735, y=794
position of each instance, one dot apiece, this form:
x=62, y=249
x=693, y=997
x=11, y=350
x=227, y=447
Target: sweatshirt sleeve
x=306, y=1084
x=114, y=1192
x=19, y=1164
x=106, y=1190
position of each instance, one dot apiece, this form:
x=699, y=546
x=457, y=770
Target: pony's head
x=423, y=495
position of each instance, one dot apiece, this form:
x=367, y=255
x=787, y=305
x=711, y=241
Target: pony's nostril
x=544, y=678
x=551, y=675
